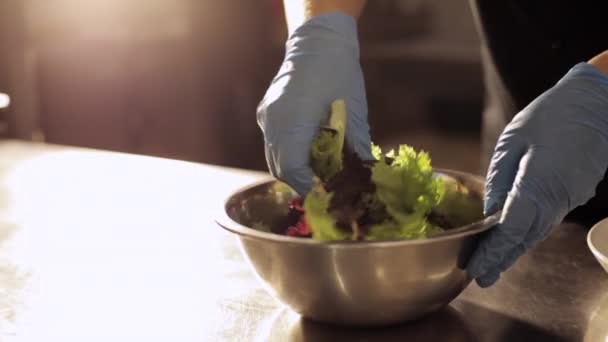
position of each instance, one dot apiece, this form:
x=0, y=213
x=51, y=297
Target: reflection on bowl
x=353, y=283
x=597, y=239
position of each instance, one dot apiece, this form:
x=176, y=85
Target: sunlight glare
x=5, y=101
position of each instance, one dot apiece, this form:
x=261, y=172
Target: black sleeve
x=528, y=45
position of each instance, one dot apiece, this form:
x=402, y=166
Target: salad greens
x=390, y=197
x=407, y=189
x=326, y=152
x=316, y=208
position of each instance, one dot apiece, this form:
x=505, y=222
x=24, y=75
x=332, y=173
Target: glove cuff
x=328, y=31
x=586, y=71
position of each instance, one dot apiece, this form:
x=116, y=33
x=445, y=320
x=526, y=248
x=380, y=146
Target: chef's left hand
x=548, y=161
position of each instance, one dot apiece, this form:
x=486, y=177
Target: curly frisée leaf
x=407, y=185
x=407, y=188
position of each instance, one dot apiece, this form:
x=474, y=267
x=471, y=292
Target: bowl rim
x=223, y=220
x=600, y=256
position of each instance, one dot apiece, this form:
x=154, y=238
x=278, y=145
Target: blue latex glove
x=548, y=161
x=321, y=65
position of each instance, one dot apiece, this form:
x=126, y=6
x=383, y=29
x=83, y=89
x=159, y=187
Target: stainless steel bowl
x=597, y=239
x=353, y=283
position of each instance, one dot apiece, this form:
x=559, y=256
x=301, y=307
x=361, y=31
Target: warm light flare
x=5, y=101
x=111, y=240
x=113, y=19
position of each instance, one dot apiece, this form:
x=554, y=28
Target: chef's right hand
x=321, y=65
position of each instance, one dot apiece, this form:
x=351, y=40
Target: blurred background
x=182, y=78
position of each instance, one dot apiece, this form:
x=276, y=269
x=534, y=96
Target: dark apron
x=527, y=46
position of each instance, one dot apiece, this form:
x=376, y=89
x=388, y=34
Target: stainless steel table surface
x=100, y=246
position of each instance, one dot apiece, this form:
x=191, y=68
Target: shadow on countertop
x=466, y=323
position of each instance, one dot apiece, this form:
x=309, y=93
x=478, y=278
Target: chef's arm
x=600, y=61
x=298, y=11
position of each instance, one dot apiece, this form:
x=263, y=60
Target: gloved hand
x=548, y=161
x=321, y=65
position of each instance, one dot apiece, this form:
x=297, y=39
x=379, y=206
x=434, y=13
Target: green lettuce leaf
x=432, y=229
x=326, y=159
x=459, y=204
x=327, y=147
x=377, y=151
x=413, y=226
x=322, y=223
x=408, y=227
